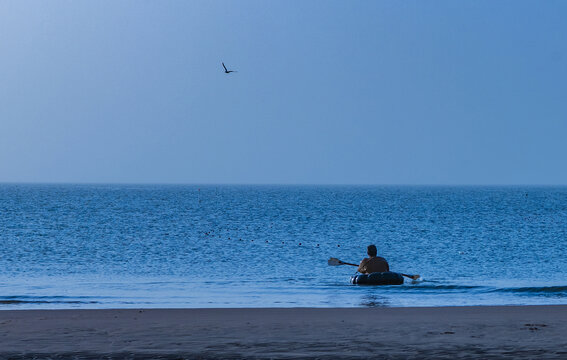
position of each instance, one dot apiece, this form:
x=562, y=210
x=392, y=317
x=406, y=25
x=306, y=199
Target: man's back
x=373, y=264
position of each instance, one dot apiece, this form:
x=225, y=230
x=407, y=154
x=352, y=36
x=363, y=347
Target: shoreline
x=528, y=331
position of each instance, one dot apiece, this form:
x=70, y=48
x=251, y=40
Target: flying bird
x=226, y=71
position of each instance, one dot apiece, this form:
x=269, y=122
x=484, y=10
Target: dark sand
x=512, y=332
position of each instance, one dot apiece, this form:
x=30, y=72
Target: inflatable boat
x=378, y=278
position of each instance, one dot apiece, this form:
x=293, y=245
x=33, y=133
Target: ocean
x=208, y=246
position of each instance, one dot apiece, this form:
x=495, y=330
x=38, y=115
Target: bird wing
x=224, y=67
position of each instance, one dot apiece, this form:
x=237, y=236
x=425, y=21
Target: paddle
x=337, y=262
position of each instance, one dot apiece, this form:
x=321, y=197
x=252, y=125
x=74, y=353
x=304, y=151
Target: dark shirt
x=374, y=264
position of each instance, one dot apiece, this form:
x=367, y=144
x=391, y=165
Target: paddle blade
x=413, y=277
x=334, y=262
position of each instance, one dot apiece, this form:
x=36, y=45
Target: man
x=374, y=263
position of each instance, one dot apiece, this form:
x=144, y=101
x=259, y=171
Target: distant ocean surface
x=128, y=246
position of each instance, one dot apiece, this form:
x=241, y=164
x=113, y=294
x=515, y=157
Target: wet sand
x=514, y=332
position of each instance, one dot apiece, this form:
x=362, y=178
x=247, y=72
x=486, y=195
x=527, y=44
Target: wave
x=536, y=289
x=23, y=300
x=556, y=290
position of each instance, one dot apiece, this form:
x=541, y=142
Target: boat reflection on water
x=372, y=300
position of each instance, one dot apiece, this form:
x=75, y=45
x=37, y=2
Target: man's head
x=371, y=250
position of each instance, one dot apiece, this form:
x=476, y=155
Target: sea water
x=169, y=246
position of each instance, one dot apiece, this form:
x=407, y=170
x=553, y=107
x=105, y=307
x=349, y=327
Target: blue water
x=121, y=246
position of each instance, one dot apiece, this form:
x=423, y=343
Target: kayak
x=378, y=278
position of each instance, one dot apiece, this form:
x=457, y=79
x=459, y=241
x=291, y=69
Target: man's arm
x=362, y=266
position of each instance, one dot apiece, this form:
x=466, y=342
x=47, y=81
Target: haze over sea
x=124, y=246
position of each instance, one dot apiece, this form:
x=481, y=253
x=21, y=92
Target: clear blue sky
x=327, y=92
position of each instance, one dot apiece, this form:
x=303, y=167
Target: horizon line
x=282, y=184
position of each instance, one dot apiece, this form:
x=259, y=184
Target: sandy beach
x=350, y=333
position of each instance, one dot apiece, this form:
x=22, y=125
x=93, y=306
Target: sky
x=327, y=92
